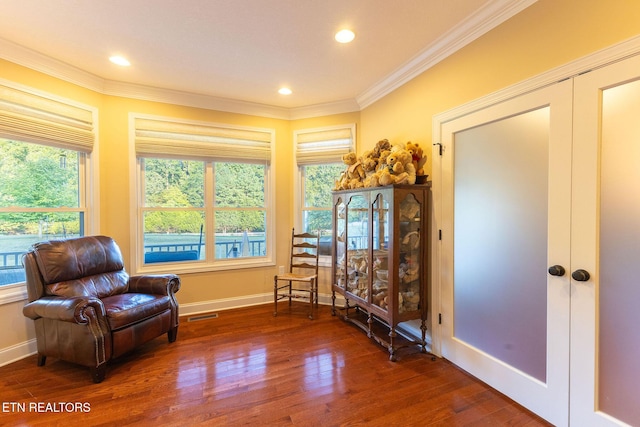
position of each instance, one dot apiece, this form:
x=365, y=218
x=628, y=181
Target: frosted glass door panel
x=500, y=239
x=619, y=290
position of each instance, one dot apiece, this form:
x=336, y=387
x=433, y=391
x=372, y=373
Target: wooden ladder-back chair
x=301, y=282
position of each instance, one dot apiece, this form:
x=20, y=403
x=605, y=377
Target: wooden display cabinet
x=380, y=263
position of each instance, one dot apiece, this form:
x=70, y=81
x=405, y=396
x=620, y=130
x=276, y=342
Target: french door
x=540, y=218
x=605, y=241
x=506, y=218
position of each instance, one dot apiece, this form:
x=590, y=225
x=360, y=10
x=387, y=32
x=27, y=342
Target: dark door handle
x=581, y=275
x=556, y=270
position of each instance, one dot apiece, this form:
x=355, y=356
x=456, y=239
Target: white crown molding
x=490, y=16
x=318, y=110
x=52, y=67
x=36, y=61
x=176, y=97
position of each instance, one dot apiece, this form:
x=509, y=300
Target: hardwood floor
x=247, y=367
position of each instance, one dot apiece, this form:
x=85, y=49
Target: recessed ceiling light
x=345, y=36
x=284, y=91
x=120, y=60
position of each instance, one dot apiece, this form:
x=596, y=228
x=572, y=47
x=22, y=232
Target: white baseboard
x=17, y=352
x=244, y=301
x=20, y=351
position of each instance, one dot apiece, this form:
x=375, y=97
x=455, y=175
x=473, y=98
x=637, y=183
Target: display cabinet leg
x=345, y=316
x=333, y=303
x=370, y=325
x=392, y=349
x=423, y=328
x=41, y=359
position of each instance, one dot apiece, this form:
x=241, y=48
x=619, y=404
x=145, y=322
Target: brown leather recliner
x=86, y=308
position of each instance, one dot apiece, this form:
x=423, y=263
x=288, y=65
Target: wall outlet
x=281, y=269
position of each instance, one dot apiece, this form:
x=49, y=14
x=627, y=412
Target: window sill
x=13, y=293
x=201, y=267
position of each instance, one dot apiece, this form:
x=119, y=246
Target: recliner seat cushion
x=126, y=309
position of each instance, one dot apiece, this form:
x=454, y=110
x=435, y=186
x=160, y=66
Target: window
x=319, y=159
x=46, y=146
x=204, y=194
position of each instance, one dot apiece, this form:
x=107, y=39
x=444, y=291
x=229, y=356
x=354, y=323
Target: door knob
x=581, y=275
x=556, y=270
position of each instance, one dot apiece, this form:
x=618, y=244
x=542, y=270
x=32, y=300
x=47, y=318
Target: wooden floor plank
x=247, y=367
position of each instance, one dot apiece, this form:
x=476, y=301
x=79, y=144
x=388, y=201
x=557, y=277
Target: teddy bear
x=404, y=157
x=385, y=178
x=401, y=165
x=417, y=156
x=341, y=182
x=369, y=160
x=395, y=164
x=409, y=211
x=353, y=176
x=369, y=164
x=382, y=145
x=382, y=160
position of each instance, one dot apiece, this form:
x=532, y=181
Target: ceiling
x=240, y=52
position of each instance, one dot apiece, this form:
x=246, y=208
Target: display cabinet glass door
x=380, y=265
x=358, y=246
x=409, y=276
x=340, y=243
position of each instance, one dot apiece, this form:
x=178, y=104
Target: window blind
x=167, y=137
x=324, y=145
x=26, y=115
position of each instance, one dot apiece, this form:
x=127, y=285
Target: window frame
x=208, y=264
x=299, y=181
x=88, y=204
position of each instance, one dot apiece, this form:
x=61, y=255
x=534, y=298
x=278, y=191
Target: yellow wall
x=115, y=179
x=547, y=34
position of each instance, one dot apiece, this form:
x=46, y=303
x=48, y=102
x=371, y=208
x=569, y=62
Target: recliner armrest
x=75, y=309
x=157, y=284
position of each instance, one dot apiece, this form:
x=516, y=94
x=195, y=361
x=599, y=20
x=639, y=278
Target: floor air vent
x=203, y=317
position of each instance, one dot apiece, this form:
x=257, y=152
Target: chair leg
x=275, y=296
x=315, y=290
x=41, y=359
x=312, y=293
x=97, y=373
x=172, y=334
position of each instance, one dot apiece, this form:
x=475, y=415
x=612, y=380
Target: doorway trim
x=598, y=59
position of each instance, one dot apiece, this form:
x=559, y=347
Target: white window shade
x=166, y=137
x=28, y=116
x=325, y=145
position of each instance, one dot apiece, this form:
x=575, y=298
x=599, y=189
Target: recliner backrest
x=90, y=266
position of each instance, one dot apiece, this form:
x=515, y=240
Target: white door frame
x=598, y=59
x=595, y=60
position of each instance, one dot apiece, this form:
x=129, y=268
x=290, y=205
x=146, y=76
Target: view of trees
x=239, y=196
x=36, y=176
x=319, y=180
